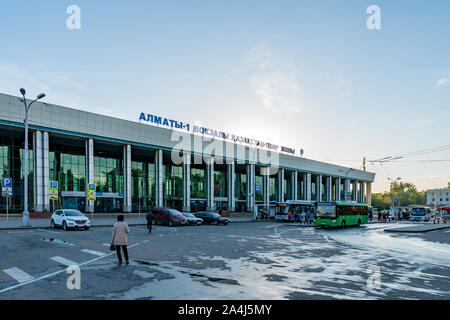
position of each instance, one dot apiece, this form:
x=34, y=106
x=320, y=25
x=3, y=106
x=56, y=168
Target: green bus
x=341, y=214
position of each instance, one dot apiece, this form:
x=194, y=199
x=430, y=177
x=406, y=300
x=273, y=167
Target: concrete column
x=250, y=169
x=329, y=188
x=338, y=189
x=38, y=174
x=159, y=176
x=308, y=187
x=319, y=187
x=46, y=170
x=265, y=172
x=369, y=193
x=186, y=182
x=209, y=183
x=280, y=183
x=355, y=191
x=231, y=185
x=346, y=188
x=89, y=154
x=362, y=197
x=127, y=202
x=294, y=185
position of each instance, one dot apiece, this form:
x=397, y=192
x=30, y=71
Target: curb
x=398, y=230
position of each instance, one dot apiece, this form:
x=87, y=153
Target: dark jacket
x=149, y=217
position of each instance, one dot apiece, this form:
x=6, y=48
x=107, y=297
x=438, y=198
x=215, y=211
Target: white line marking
x=105, y=244
x=50, y=274
x=134, y=245
x=95, y=253
x=145, y=241
x=18, y=274
x=63, y=261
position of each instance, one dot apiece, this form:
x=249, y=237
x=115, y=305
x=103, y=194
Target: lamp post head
x=22, y=91
x=42, y=95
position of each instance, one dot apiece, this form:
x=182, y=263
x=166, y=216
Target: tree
x=406, y=193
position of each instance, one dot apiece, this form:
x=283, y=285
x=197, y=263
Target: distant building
x=440, y=197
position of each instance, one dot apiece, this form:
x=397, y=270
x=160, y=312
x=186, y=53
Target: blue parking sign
x=53, y=184
x=91, y=186
x=6, y=183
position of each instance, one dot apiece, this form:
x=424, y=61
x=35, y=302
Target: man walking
x=150, y=219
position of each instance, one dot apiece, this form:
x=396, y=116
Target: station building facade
x=133, y=167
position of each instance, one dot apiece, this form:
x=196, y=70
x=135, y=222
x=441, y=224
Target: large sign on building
x=174, y=124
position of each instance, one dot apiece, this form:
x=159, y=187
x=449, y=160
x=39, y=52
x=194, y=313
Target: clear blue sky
x=305, y=74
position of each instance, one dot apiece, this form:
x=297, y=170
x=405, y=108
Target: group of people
x=119, y=240
x=306, y=217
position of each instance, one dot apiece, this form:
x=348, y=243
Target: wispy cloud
x=442, y=82
x=59, y=87
x=272, y=82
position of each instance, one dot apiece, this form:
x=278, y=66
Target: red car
x=168, y=216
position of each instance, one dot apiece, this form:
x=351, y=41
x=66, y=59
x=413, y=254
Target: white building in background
x=440, y=197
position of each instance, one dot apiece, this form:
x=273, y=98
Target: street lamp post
x=26, y=214
x=393, y=195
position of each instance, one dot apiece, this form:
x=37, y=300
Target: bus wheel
x=343, y=224
x=359, y=222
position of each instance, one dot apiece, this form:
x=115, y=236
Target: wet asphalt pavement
x=237, y=261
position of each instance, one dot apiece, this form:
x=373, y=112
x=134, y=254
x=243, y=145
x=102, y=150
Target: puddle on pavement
x=146, y=263
x=212, y=279
x=58, y=241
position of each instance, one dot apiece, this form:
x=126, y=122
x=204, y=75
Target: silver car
x=69, y=219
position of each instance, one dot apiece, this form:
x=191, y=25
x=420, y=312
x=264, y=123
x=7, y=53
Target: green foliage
x=406, y=193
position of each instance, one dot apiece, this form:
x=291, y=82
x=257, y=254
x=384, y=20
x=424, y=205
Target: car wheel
x=225, y=223
x=343, y=224
x=171, y=223
x=53, y=224
x=216, y=223
x=64, y=226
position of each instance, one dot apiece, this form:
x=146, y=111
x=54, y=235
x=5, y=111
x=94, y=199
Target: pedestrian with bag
x=119, y=239
x=150, y=217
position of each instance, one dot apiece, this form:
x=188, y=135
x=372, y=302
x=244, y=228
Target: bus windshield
x=326, y=210
x=418, y=211
x=282, y=209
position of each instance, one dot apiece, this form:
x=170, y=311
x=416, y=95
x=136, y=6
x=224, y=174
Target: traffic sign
x=53, y=185
x=92, y=195
x=348, y=196
x=257, y=188
x=7, y=187
x=53, y=190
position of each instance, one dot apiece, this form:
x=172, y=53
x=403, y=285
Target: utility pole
x=364, y=163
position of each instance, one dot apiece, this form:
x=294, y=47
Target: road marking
x=134, y=245
x=19, y=275
x=145, y=241
x=106, y=244
x=63, y=261
x=95, y=253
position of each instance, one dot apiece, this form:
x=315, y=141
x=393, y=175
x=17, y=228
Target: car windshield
x=175, y=213
x=72, y=213
x=188, y=215
x=418, y=211
x=326, y=210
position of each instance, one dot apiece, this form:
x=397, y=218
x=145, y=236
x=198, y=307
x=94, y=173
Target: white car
x=69, y=219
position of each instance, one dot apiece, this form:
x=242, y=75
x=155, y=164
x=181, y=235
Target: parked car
x=191, y=219
x=168, y=216
x=69, y=219
x=212, y=217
